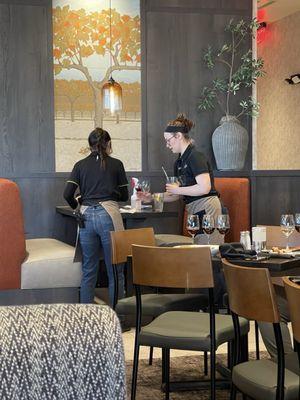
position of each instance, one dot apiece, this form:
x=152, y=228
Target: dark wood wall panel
x=39, y=196
x=175, y=34
x=274, y=193
x=26, y=90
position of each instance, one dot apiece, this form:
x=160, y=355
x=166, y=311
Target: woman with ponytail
x=102, y=182
x=194, y=174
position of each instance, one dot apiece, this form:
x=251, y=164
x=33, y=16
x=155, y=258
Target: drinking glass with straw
x=166, y=175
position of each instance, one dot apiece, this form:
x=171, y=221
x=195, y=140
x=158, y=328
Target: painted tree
x=72, y=91
x=79, y=35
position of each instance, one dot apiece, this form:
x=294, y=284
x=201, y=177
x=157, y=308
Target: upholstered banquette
x=235, y=197
x=42, y=263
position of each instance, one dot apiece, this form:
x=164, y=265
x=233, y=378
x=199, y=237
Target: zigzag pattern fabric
x=61, y=352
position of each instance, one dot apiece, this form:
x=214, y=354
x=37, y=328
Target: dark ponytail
x=100, y=142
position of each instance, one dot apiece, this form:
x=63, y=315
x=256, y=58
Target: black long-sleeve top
x=96, y=183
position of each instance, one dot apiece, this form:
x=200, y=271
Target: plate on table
x=214, y=248
x=276, y=254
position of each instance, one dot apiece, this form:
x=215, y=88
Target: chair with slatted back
x=252, y=296
x=173, y=268
x=154, y=303
x=292, y=290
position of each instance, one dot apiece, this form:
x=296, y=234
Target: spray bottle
x=135, y=201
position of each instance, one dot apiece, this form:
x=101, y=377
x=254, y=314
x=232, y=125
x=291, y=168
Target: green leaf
x=208, y=58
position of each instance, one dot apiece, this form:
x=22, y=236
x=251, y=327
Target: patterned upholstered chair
x=61, y=351
x=43, y=264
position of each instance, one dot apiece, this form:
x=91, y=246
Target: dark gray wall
x=173, y=34
x=26, y=88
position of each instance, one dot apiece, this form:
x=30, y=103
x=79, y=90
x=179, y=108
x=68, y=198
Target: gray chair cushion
x=157, y=304
x=171, y=240
x=61, y=351
x=292, y=362
x=188, y=330
x=258, y=379
x=49, y=265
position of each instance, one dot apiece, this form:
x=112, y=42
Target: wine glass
x=145, y=186
x=223, y=224
x=287, y=224
x=144, y=192
x=193, y=225
x=208, y=225
x=297, y=222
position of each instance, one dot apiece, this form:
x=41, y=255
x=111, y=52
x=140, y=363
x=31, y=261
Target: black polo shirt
x=96, y=183
x=190, y=164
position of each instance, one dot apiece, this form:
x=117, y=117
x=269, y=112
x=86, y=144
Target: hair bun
x=181, y=117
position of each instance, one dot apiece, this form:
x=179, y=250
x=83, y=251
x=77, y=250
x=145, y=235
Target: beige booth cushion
x=166, y=239
x=49, y=264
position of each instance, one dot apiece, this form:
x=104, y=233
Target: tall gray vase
x=230, y=143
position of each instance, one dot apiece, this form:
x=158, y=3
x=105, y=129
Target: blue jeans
x=94, y=236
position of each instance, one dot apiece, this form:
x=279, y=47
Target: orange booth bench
x=40, y=265
x=235, y=196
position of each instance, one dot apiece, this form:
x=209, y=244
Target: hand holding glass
x=208, y=225
x=144, y=193
x=287, y=224
x=173, y=181
x=193, y=225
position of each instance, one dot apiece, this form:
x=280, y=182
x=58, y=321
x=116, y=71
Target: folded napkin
x=127, y=210
x=236, y=251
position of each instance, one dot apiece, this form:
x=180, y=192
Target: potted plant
x=230, y=139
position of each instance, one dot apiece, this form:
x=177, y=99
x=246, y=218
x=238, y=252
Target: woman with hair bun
x=102, y=182
x=194, y=174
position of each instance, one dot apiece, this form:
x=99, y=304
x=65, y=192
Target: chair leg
x=257, y=340
x=163, y=366
x=230, y=354
x=135, y=371
x=213, y=375
x=205, y=363
x=233, y=392
x=167, y=373
x=151, y=355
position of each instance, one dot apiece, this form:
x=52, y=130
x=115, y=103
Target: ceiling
x=273, y=10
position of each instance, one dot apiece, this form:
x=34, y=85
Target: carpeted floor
x=188, y=368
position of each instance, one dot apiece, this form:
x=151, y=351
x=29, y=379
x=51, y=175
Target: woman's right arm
x=71, y=186
x=69, y=192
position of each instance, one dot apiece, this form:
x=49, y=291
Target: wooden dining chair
x=292, y=290
x=275, y=237
x=252, y=296
x=189, y=268
x=154, y=304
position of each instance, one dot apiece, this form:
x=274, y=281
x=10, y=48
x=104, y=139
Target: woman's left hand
x=144, y=197
x=172, y=189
